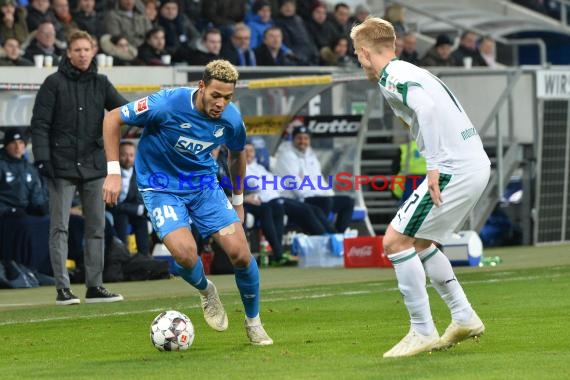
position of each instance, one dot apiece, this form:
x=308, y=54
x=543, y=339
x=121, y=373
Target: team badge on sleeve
x=141, y=105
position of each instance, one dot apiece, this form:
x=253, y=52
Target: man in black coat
x=207, y=50
x=129, y=209
x=68, y=148
x=272, y=52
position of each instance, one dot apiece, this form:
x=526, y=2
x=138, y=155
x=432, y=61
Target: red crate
x=364, y=252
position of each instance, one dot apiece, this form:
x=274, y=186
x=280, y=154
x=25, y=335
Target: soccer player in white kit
x=458, y=170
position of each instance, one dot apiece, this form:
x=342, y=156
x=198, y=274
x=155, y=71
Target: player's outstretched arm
x=111, y=139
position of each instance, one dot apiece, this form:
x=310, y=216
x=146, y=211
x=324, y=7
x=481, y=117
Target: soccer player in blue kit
x=175, y=172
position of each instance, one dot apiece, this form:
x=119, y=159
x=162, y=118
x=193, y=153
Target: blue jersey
x=174, y=152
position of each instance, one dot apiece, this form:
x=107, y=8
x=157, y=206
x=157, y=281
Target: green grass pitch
x=326, y=324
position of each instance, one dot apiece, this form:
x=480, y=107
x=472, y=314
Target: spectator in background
x=13, y=54
x=319, y=28
x=487, y=52
x=63, y=17
x=360, y=13
x=66, y=131
x=396, y=15
x=151, y=10
x=13, y=22
x=38, y=12
x=300, y=161
x=272, y=52
x=409, y=164
x=468, y=48
x=295, y=35
x=409, y=53
x=123, y=53
x=23, y=206
x=440, y=53
x=178, y=29
x=259, y=22
x=153, y=48
x=340, y=19
x=304, y=8
x=87, y=18
x=237, y=51
x=207, y=50
x=129, y=209
x=44, y=44
x=127, y=20
x=224, y=14
x=337, y=54
x=193, y=10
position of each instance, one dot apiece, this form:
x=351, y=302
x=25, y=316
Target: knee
x=394, y=242
x=389, y=242
x=239, y=256
x=185, y=254
x=242, y=260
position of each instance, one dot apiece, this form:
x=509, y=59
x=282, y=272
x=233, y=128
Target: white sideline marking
x=265, y=300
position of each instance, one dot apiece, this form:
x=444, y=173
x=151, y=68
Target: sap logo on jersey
x=186, y=145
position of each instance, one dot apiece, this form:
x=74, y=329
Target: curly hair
x=220, y=70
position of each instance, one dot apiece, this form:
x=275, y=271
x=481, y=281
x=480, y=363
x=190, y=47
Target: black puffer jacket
x=67, y=121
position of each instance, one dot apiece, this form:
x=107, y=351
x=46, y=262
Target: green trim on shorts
x=424, y=208
x=429, y=255
x=402, y=259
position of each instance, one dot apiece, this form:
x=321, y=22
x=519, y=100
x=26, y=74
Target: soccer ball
x=171, y=331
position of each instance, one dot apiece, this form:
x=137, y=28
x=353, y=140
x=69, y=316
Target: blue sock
x=194, y=276
x=247, y=280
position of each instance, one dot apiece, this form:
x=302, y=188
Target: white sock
x=255, y=321
x=438, y=268
x=412, y=284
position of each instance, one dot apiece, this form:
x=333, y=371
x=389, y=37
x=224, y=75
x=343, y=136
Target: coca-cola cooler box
x=365, y=252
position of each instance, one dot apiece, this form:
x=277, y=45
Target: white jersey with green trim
x=437, y=121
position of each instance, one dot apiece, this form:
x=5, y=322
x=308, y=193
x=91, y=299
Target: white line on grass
x=266, y=300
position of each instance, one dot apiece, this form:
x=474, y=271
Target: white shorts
x=418, y=217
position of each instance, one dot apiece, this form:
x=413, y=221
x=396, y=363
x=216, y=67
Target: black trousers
x=309, y=218
x=140, y=229
x=270, y=215
x=341, y=205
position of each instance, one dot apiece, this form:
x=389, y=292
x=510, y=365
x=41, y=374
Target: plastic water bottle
x=490, y=261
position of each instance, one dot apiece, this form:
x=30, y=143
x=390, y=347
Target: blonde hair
x=221, y=70
x=374, y=32
x=78, y=35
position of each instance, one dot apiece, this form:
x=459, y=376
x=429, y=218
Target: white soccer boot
x=457, y=332
x=413, y=343
x=214, y=312
x=257, y=335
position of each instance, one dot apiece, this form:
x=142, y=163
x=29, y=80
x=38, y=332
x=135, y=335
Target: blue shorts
x=209, y=211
